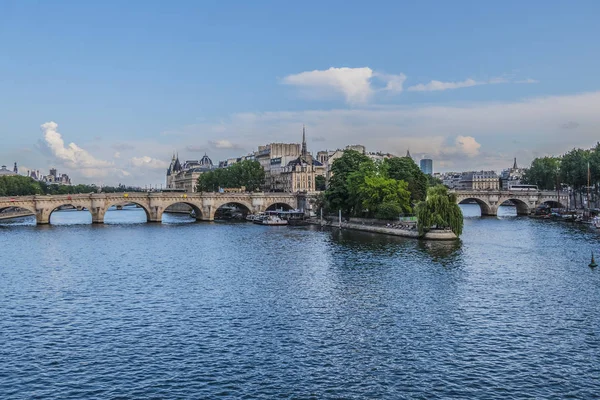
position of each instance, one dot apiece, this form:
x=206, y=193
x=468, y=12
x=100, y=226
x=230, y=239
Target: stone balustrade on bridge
x=154, y=204
x=524, y=200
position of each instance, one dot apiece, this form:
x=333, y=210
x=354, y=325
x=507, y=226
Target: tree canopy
x=544, y=172
x=405, y=169
x=361, y=187
x=247, y=173
x=439, y=210
x=17, y=185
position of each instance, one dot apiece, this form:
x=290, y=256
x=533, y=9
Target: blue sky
x=471, y=84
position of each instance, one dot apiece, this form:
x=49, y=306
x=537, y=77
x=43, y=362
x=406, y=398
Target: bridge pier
x=42, y=217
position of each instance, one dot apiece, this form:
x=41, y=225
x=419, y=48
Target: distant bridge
x=524, y=200
x=154, y=204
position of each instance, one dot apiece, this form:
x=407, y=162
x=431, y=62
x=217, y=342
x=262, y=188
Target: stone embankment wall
x=15, y=214
x=397, y=229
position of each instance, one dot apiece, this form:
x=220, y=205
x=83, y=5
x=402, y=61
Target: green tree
x=574, y=170
x=378, y=190
x=544, y=172
x=405, y=169
x=320, y=183
x=439, y=210
x=16, y=185
x=337, y=194
x=247, y=173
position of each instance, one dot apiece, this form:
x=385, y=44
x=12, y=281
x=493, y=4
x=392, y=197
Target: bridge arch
x=486, y=208
x=554, y=204
x=522, y=207
x=280, y=204
x=79, y=207
x=196, y=208
x=117, y=202
x=243, y=205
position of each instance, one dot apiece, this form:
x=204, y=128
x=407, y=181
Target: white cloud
x=353, y=83
x=358, y=85
x=224, y=144
x=117, y=155
x=528, y=80
x=438, y=85
x=466, y=145
x=73, y=156
x=434, y=85
x=149, y=162
x=393, y=83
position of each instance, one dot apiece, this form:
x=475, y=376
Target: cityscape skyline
x=113, y=104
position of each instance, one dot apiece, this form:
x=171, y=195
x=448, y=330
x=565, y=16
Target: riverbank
x=15, y=214
x=387, y=230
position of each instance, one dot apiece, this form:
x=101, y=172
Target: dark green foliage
x=405, y=169
x=361, y=187
x=439, y=210
x=247, y=173
x=320, y=183
x=389, y=210
x=16, y=185
x=433, y=181
x=337, y=195
x=544, y=172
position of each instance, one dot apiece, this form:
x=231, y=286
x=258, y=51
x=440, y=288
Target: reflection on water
x=206, y=310
x=473, y=210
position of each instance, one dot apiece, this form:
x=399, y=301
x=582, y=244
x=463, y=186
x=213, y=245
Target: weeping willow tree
x=439, y=210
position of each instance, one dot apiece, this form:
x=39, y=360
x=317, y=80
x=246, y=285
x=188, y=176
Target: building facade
x=511, y=176
x=290, y=173
x=479, y=180
x=185, y=176
x=426, y=165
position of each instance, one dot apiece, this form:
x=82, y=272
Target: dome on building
x=6, y=172
x=206, y=161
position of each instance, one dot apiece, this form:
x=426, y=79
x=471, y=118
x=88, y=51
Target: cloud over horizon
x=73, y=156
x=355, y=84
x=461, y=136
x=359, y=85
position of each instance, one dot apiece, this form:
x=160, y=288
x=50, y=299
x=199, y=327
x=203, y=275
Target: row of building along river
x=205, y=310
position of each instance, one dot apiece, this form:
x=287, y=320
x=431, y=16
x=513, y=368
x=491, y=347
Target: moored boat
x=273, y=220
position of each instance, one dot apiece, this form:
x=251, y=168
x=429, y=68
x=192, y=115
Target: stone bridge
x=525, y=200
x=154, y=204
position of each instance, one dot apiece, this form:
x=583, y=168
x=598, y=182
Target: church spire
x=303, y=142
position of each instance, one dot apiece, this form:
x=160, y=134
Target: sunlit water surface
x=204, y=310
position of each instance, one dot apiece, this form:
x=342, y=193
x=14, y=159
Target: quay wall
x=15, y=214
x=409, y=233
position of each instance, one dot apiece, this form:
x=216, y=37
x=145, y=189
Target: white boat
x=257, y=218
x=274, y=220
x=250, y=217
x=596, y=222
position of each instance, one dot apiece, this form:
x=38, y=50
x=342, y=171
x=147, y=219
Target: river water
x=204, y=310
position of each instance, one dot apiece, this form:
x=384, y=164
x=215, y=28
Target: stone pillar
x=98, y=207
x=491, y=211
x=208, y=209
x=42, y=216
x=155, y=208
x=258, y=203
